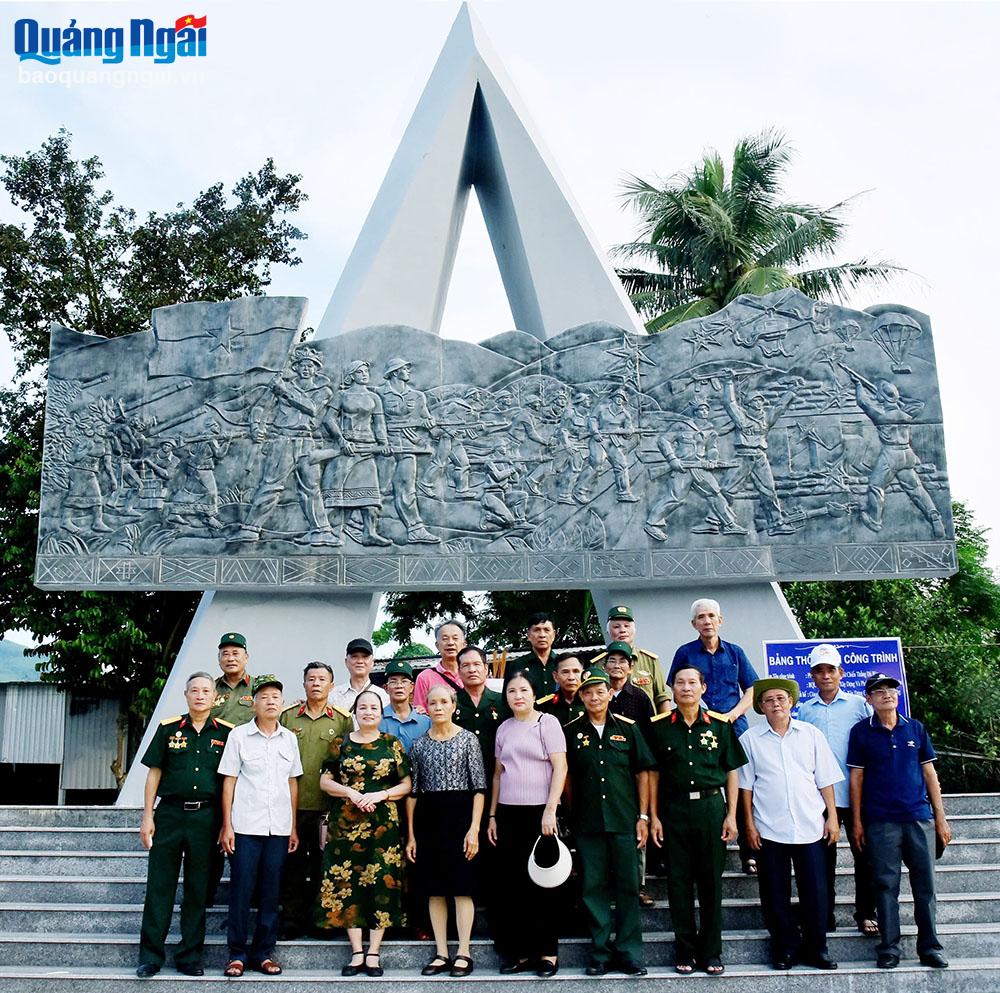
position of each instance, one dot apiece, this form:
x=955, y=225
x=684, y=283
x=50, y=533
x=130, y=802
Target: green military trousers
x=190, y=835
x=610, y=867
x=695, y=856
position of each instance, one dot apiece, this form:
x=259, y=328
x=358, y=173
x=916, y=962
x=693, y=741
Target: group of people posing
x=361, y=806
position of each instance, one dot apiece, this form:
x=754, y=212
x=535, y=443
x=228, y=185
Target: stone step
x=737, y=913
x=54, y=867
x=94, y=817
x=72, y=951
x=963, y=976
x=17, y=838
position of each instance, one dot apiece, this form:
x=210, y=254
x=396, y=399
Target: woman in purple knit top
x=527, y=784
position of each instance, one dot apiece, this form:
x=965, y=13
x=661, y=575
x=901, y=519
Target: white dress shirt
x=344, y=696
x=262, y=765
x=786, y=773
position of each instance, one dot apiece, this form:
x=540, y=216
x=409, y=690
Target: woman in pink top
x=527, y=783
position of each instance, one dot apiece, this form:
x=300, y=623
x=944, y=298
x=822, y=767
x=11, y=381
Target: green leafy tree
x=950, y=629
x=77, y=257
x=711, y=234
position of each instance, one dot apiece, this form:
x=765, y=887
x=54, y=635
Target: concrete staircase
x=72, y=881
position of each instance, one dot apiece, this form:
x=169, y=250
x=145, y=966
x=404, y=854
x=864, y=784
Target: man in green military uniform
x=539, y=663
x=315, y=723
x=480, y=709
x=233, y=699
x=182, y=759
x=608, y=791
x=647, y=672
x=693, y=794
x=565, y=704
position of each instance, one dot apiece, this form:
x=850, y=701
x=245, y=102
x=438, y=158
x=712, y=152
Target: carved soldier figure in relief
x=356, y=420
x=87, y=459
x=125, y=445
x=406, y=417
x=753, y=421
x=504, y=500
x=612, y=432
x=523, y=431
x=892, y=416
x=454, y=422
x=692, y=452
x=572, y=440
x=195, y=492
x=284, y=424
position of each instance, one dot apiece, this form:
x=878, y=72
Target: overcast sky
x=900, y=99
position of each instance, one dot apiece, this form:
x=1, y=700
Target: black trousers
x=302, y=874
x=526, y=917
x=864, y=891
x=800, y=934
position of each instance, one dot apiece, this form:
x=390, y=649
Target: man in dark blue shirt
x=897, y=811
x=729, y=679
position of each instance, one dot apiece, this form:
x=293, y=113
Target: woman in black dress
x=444, y=813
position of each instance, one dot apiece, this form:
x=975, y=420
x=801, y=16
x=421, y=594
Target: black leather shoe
x=513, y=966
x=351, y=969
x=934, y=960
x=436, y=966
x=887, y=961
x=597, y=969
x=631, y=968
x=546, y=968
x=820, y=962
x=375, y=970
x=190, y=970
x=784, y=963
x=147, y=970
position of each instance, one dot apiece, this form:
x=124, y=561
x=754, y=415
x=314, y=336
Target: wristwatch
x=644, y=817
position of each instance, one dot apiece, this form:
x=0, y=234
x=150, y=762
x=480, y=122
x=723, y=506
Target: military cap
x=233, y=638
x=360, y=645
x=622, y=648
x=260, y=682
x=761, y=686
x=395, y=363
x=621, y=613
x=398, y=667
x=594, y=675
x=880, y=679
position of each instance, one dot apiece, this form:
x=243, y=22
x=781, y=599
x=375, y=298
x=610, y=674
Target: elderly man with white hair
x=729, y=679
x=835, y=712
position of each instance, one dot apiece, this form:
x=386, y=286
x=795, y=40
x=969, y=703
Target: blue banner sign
x=859, y=658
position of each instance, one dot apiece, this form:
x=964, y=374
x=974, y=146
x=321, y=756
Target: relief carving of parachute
x=894, y=333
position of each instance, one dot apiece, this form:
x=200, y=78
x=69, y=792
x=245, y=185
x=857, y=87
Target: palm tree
x=713, y=237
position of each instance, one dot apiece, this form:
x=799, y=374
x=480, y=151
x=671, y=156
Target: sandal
x=269, y=967
x=374, y=970
x=684, y=968
x=234, y=969
x=461, y=970
x=714, y=967
x=869, y=927
x=437, y=965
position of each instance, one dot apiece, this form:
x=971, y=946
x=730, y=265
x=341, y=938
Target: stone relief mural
x=779, y=438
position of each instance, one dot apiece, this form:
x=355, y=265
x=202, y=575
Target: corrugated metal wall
x=91, y=744
x=34, y=723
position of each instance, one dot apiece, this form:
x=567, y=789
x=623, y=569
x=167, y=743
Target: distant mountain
x=15, y=667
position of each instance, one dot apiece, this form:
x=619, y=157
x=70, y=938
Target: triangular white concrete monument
x=469, y=130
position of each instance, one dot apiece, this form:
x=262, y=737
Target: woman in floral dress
x=363, y=859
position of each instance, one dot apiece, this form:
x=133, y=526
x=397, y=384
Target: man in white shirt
x=259, y=797
x=359, y=661
x=835, y=712
x=786, y=789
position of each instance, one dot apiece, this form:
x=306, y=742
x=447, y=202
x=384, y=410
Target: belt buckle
x=694, y=795
x=192, y=805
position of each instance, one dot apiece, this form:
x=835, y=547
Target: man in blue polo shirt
x=897, y=811
x=729, y=679
x=835, y=712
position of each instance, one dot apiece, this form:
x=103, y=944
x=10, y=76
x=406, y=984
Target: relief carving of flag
x=190, y=21
x=206, y=340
